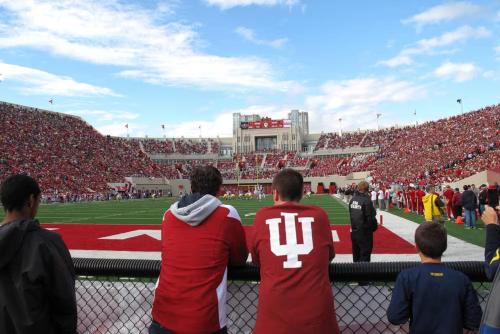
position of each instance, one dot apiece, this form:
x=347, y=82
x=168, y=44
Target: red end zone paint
x=144, y=238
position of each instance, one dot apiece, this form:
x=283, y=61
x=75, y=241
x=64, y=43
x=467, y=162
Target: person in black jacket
x=37, y=280
x=363, y=223
x=491, y=317
x=469, y=202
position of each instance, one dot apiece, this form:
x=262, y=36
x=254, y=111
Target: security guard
x=363, y=223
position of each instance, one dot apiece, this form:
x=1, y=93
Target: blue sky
x=193, y=63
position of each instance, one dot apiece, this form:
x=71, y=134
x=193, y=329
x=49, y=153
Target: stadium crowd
x=67, y=155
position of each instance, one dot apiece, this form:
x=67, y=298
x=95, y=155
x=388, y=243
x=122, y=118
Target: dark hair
x=466, y=187
x=431, y=239
x=206, y=180
x=289, y=184
x=16, y=191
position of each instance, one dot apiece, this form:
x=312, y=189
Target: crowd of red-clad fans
x=179, y=146
x=65, y=154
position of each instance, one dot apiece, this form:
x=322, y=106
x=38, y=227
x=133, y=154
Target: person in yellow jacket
x=432, y=205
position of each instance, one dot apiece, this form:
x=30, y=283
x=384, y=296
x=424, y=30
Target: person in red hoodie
x=419, y=195
x=200, y=239
x=456, y=203
x=448, y=194
x=293, y=245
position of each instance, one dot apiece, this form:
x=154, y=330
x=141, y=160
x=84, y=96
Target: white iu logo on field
x=291, y=248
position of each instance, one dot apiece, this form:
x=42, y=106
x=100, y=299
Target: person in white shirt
x=380, y=199
x=374, y=198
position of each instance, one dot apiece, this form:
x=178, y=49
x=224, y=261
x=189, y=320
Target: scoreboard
x=266, y=123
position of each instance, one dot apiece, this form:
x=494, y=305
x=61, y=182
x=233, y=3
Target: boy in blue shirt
x=435, y=299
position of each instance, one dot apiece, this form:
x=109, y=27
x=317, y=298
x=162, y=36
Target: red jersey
x=448, y=194
x=191, y=293
x=293, y=245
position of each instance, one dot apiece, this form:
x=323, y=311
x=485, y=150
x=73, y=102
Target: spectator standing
x=373, y=198
x=432, y=206
x=491, y=319
x=469, y=202
x=448, y=195
x=380, y=199
x=363, y=224
x=37, y=278
x=200, y=239
x=483, y=198
x=434, y=298
x=456, y=203
x=493, y=195
x=387, y=198
x=295, y=294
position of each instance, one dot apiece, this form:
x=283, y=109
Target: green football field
x=151, y=211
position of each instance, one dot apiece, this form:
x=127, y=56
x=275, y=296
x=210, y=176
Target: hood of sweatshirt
x=193, y=209
x=11, y=238
x=428, y=198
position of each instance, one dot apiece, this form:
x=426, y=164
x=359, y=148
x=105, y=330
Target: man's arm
x=398, y=312
x=472, y=310
x=254, y=249
x=238, y=251
x=328, y=231
x=61, y=285
x=492, y=246
x=370, y=215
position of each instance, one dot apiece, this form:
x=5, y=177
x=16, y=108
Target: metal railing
x=115, y=296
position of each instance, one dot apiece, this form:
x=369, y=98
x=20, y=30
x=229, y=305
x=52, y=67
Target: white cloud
x=459, y=72
x=130, y=37
x=34, y=81
x=250, y=36
x=497, y=49
x=434, y=45
x=227, y=4
x=396, y=61
x=356, y=101
x=443, y=13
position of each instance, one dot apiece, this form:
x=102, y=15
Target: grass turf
x=150, y=211
x=476, y=236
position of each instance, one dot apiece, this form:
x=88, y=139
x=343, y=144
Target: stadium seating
x=66, y=155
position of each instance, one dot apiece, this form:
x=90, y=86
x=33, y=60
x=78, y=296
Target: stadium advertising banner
x=266, y=123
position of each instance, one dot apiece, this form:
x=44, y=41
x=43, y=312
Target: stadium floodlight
x=459, y=101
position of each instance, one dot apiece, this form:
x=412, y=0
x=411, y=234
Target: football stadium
x=116, y=170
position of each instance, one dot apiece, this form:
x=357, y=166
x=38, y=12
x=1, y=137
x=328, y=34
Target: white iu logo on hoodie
x=291, y=248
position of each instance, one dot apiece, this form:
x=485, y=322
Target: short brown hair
x=289, y=184
x=363, y=186
x=206, y=180
x=431, y=239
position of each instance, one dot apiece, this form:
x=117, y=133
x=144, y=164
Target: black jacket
x=37, y=281
x=362, y=213
x=469, y=200
x=491, y=315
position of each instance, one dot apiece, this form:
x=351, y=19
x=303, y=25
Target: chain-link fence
x=120, y=301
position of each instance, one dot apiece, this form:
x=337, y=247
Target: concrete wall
x=485, y=177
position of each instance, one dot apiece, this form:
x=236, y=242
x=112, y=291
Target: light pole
x=459, y=101
x=378, y=125
x=415, y=114
x=340, y=127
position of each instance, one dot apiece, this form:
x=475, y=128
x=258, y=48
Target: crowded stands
x=65, y=154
